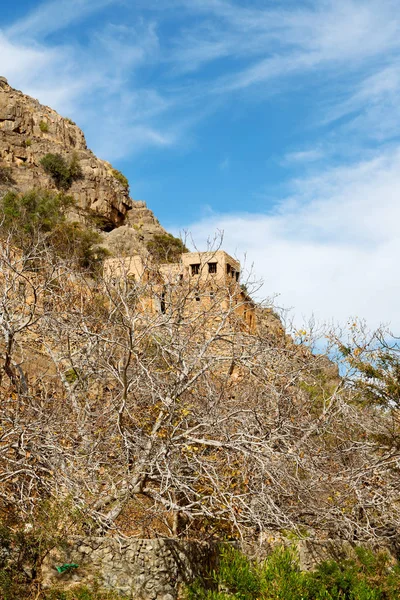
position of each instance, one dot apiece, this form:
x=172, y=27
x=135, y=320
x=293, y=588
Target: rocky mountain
x=29, y=131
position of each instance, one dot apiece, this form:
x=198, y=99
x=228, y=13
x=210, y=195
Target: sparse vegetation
x=28, y=142
x=44, y=126
x=26, y=549
x=62, y=172
x=368, y=576
x=121, y=178
x=81, y=592
x=165, y=248
x=70, y=121
x=39, y=216
x=34, y=213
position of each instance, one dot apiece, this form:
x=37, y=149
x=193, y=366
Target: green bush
x=80, y=593
x=62, y=172
x=368, y=577
x=44, y=126
x=39, y=216
x=50, y=521
x=165, y=248
x=28, y=142
x=121, y=178
x=15, y=586
x=35, y=212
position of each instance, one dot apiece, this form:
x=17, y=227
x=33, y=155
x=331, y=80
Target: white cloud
x=94, y=84
x=332, y=248
x=18, y=58
x=303, y=156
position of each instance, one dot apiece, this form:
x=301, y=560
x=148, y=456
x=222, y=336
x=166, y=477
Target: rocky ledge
x=29, y=131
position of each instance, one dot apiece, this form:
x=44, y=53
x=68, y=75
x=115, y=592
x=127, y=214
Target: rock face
x=133, y=237
x=29, y=130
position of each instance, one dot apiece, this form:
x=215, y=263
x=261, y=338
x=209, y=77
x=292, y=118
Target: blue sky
x=276, y=122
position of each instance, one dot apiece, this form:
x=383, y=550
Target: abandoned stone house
x=204, y=281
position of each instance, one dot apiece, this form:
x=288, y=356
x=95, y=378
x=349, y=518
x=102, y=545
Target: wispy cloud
x=230, y=47
x=303, y=156
x=94, y=83
x=370, y=105
x=49, y=17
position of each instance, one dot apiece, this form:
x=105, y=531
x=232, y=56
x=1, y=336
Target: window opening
x=228, y=269
x=195, y=269
x=237, y=275
x=212, y=267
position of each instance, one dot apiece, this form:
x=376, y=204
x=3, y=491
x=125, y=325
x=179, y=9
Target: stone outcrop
x=143, y=222
x=133, y=237
x=29, y=130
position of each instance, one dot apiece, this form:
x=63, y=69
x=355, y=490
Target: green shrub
x=239, y=575
x=62, y=172
x=39, y=216
x=165, y=248
x=36, y=211
x=80, y=593
x=121, y=178
x=28, y=142
x=50, y=521
x=44, y=126
x=15, y=586
x=70, y=121
x=367, y=577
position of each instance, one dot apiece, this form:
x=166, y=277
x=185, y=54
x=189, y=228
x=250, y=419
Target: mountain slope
x=29, y=131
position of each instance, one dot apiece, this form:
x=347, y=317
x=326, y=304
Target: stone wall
x=141, y=569
x=158, y=569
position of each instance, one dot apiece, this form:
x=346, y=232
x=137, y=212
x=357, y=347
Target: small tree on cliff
x=62, y=172
x=36, y=223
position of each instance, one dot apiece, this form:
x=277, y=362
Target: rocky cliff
x=29, y=131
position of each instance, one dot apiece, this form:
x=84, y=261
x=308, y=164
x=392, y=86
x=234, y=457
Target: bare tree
x=185, y=420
